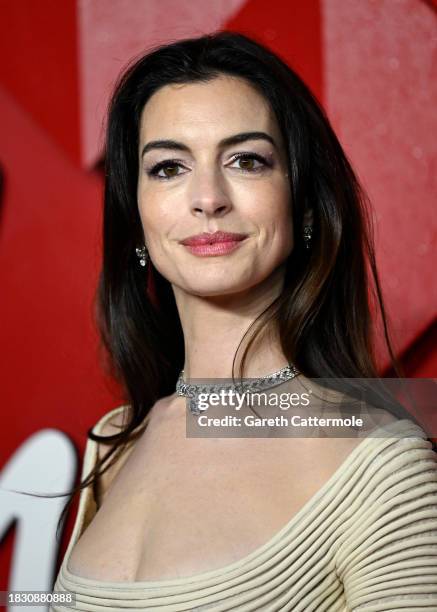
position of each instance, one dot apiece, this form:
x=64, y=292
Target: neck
x=214, y=326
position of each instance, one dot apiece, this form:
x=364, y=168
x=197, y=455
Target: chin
x=214, y=292
x=217, y=287
x=221, y=280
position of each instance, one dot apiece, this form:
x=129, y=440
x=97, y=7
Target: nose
x=209, y=195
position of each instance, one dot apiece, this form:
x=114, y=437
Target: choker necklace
x=255, y=384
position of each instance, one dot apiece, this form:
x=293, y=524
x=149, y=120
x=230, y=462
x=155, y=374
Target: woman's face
x=223, y=168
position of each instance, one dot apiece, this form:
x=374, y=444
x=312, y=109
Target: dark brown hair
x=323, y=315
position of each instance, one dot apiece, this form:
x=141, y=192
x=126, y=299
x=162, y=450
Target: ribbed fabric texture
x=366, y=541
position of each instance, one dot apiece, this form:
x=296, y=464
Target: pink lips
x=218, y=243
x=206, y=238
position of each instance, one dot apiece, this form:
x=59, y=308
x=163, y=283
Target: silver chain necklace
x=258, y=384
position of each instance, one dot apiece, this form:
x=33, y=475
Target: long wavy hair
x=323, y=315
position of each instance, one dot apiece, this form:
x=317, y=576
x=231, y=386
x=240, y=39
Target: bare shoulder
x=373, y=416
x=112, y=422
x=333, y=442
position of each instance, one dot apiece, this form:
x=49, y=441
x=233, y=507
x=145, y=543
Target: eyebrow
x=226, y=142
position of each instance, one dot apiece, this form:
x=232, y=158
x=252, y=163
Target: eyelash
x=153, y=172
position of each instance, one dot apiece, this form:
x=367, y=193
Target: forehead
x=222, y=106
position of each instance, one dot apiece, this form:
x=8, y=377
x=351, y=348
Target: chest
x=181, y=506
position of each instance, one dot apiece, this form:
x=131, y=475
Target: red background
x=371, y=65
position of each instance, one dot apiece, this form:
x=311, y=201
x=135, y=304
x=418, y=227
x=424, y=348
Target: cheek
x=273, y=211
x=151, y=210
x=282, y=208
x=160, y=222
x=279, y=227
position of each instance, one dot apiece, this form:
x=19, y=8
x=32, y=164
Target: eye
x=250, y=162
x=168, y=167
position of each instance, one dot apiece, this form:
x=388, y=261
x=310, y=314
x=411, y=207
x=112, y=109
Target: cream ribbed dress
x=366, y=541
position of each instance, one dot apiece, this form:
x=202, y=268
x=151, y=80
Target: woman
x=231, y=207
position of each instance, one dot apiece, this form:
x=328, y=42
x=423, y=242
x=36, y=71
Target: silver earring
x=143, y=255
x=307, y=235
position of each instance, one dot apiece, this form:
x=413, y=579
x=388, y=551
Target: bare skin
x=175, y=506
